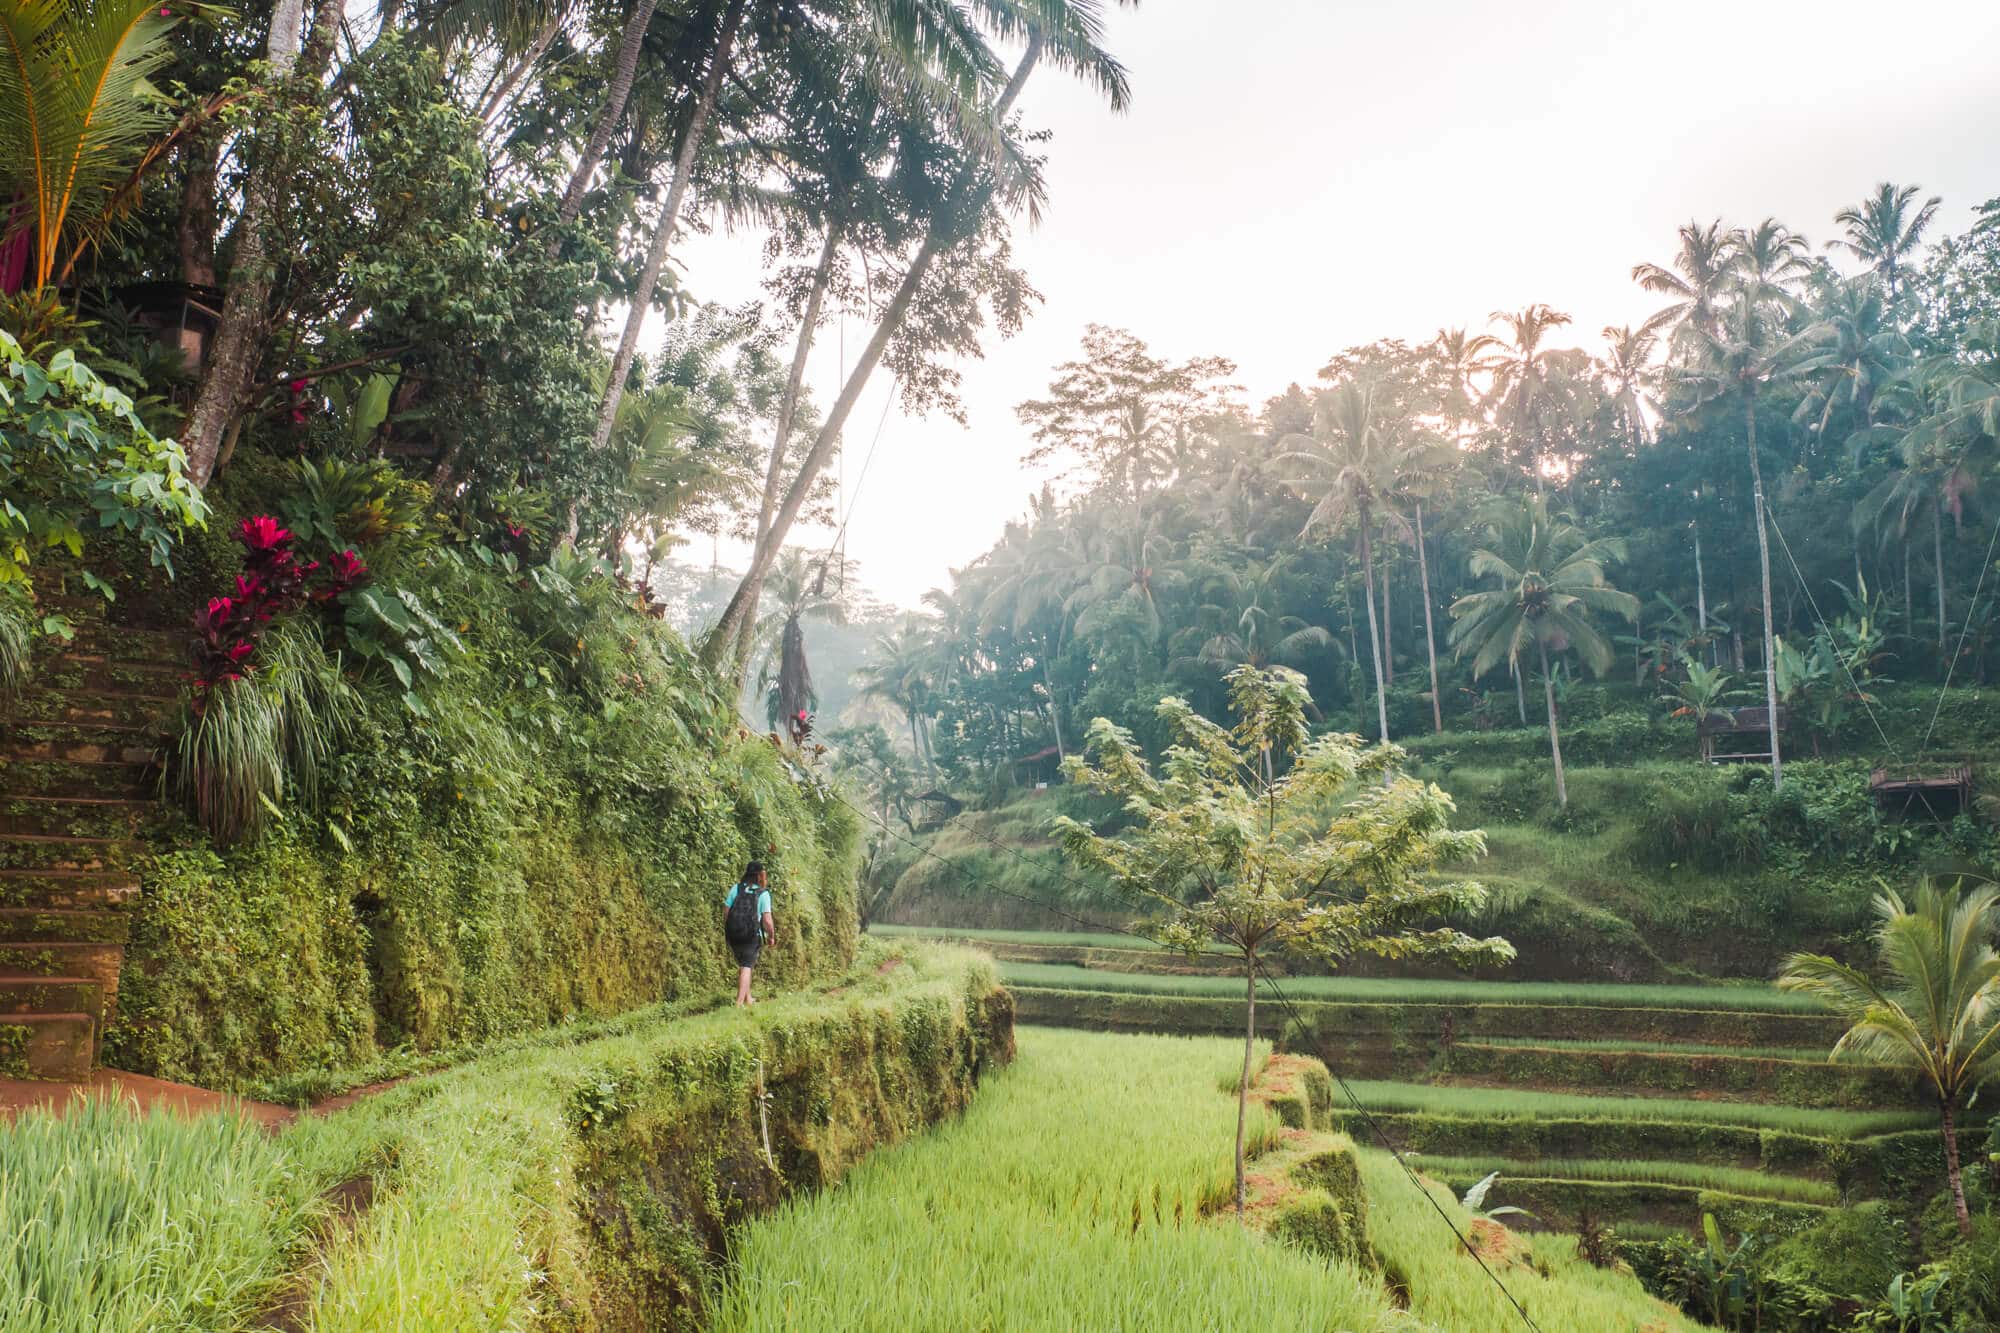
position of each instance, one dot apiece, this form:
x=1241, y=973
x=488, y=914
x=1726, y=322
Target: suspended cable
x=1971, y=608
x=1805, y=587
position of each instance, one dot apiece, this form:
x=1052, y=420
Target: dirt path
x=17, y=1095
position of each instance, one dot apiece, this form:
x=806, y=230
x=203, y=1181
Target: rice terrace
x=970, y=666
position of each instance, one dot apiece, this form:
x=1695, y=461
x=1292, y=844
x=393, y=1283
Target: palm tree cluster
x=1784, y=434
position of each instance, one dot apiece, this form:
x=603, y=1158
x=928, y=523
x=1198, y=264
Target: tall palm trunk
x=240, y=334
x=1243, y=1085
x=1952, y=1169
x=1374, y=631
x=1937, y=564
x=1701, y=598
x=1909, y=596
x=935, y=242
x=774, y=471
x=1520, y=693
x=1055, y=704
x=1388, y=626
x=631, y=41
x=663, y=231
x=1555, y=734
x=1764, y=578
x=1430, y=635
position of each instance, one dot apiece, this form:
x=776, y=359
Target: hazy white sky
x=1294, y=178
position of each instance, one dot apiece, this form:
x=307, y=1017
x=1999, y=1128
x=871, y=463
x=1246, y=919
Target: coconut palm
x=1883, y=232
x=899, y=670
x=1551, y=580
x=1937, y=1014
x=802, y=589
x=1696, y=280
x=1748, y=348
x=1459, y=357
x=1628, y=353
x=1349, y=465
x=1861, y=352
x=1529, y=388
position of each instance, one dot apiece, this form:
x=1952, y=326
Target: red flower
x=262, y=533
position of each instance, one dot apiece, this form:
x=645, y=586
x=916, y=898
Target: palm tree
x=1940, y=1013
x=1882, y=232
x=1628, y=352
x=801, y=590
x=1427, y=467
x=1862, y=352
x=1527, y=386
x=1551, y=578
x=76, y=116
x=899, y=671
x=1250, y=630
x=1748, y=348
x=1459, y=357
x=1350, y=465
x=1696, y=280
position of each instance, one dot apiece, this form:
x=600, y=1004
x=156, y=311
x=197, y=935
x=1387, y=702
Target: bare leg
x=743, y=985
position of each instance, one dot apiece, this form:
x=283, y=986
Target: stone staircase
x=79, y=755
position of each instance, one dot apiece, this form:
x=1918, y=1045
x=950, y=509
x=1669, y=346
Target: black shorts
x=746, y=952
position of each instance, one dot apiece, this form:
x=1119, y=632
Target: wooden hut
x=1738, y=735
x=1935, y=788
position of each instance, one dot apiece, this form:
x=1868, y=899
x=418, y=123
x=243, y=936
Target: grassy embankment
x=562, y=1181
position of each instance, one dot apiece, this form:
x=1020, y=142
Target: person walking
x=747, y=924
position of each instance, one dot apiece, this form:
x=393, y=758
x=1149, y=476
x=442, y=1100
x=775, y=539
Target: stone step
x=89, y=673
x=21, y=993
x=80, y=777
x=123, y=643
x=51, y=1046
x=75, y=816
x=154, y=713
x=62, y=890
x=91, y=742
x=50, y=925
x=97, y=962
x=37, y=851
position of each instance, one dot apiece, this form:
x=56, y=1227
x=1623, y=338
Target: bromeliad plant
x=1266, y=842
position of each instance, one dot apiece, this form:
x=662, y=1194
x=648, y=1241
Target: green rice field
x=1396, y=990
x=1050, y=939
x=1462, y=1171
x=1069, y=1197
x=1802, y=1054
x=1506, y=1103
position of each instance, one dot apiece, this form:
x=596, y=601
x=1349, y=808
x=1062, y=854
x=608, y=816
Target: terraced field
x=1641, y=1105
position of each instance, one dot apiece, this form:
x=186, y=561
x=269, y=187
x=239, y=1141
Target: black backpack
x=740, y=925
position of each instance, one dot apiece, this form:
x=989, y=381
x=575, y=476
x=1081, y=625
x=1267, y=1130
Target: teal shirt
x=763, y=900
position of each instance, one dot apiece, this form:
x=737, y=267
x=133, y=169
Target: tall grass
x=1447, y=1290
x=1399, y=990
x=1506, y=1103
x=256, y=734
x=1461, y=1171
x=118, y=1222
x=17, y=641
x=1069, y=1196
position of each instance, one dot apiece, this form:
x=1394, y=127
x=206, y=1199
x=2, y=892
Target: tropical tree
x=1324, y=852
x=1861, y=351
x=1883, y=231
x=1528, y=390
x=1695, y=280
x=1748, y=348
x=802, y=589
x=957, y=217
x=1628, y=353
x=899, y=671
x=1551, y=580
x=1349, y=465
x=1938, y=1011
